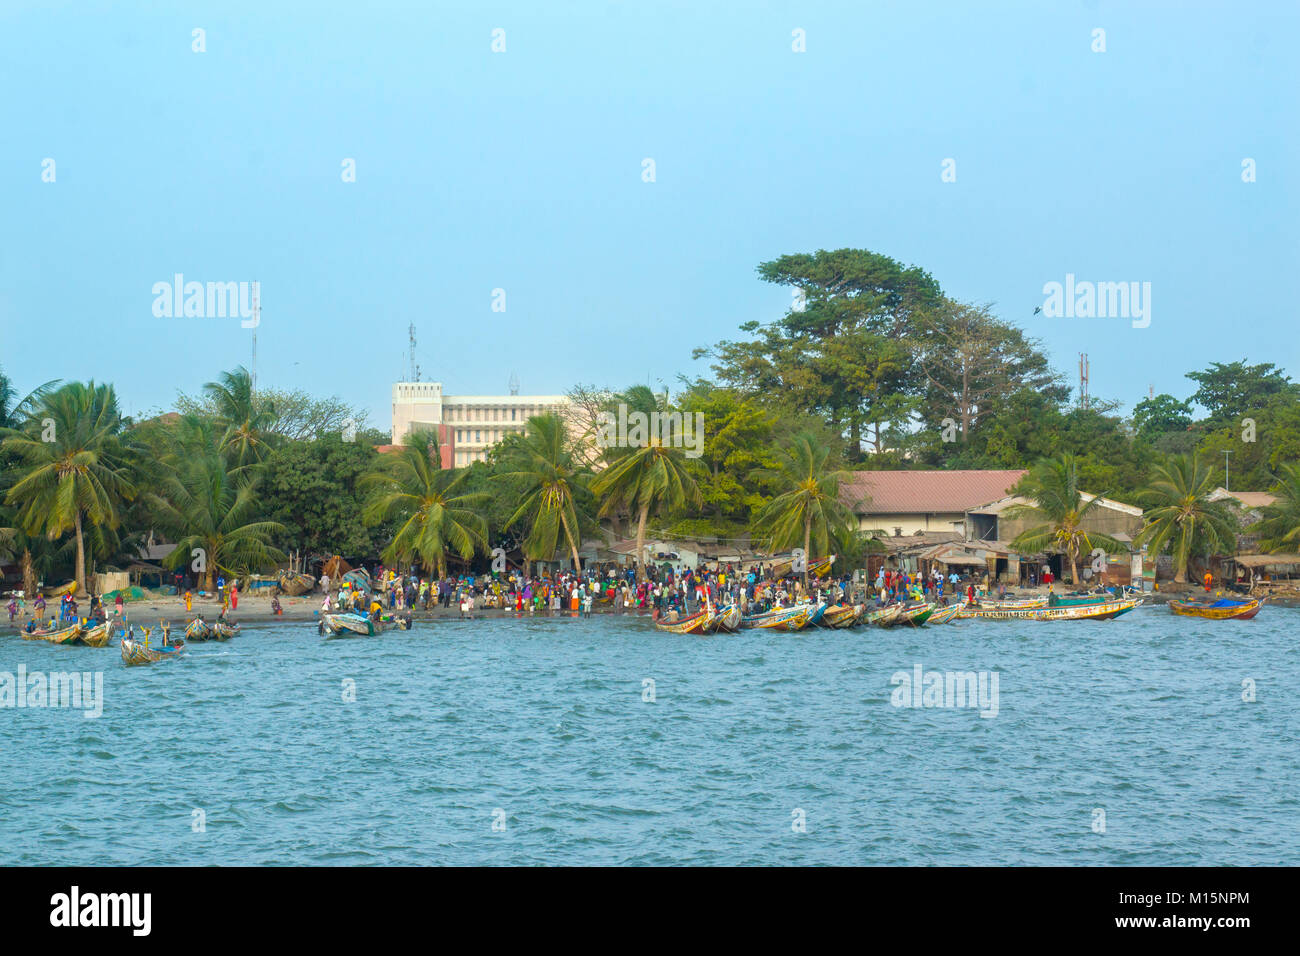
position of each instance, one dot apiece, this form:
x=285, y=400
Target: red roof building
x=901, y=503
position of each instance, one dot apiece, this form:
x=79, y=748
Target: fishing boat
x=295, y=584
x=1013, y=604
x=841, y=615
x=96, y=635
x=66, y=635
x=816, y=614
x=198, y=630
x=780, y=619
x=139, y=652
x=884, y=616
x=224, y=631
x=698, y=623
x=729, y=619
x=944, y=614
x=1102, y=611
x=915, y=614
x=1224, y=609
x=347, y=625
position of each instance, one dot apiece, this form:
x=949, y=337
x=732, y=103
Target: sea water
x=1151, y=739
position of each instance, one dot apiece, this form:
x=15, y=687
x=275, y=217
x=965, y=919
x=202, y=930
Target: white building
x=475, y=422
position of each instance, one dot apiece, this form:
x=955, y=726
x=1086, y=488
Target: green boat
x=916, y=614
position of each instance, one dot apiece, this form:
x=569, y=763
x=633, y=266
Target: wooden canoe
x=96, y=636
x=297, y=584
x=944, y=614
x=729, y=619
x=1224, y=609
x=223, y=630
x=780, y=619
x=66, y=635
x=136, y=652
x=348, y=625
x=697, y=623
x=884, y=616
x=198, y=630
x=916, y=614
x=1070, y=612
x=841, y=615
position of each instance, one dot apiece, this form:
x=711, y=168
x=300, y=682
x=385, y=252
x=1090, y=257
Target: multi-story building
x=474, y=422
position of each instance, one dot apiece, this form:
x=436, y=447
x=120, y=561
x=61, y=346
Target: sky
x=523, y=170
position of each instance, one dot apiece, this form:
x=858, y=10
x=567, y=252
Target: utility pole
x=1226, y=453
x=1083, y=378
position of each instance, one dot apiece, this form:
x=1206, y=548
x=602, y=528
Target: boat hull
x=135, y=653
x=1235, y=611
x=1076, y=612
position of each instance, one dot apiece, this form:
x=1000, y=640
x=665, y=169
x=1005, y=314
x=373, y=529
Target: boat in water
x=198, y=630
x=781, y=619
x=67, y=635
x=224, y=630
x=138, y=651
x=884, y=616
x=841, y=615
x=1224, y=609
x=1097, y=611
x=944, y=614
x=698, y=623
x=728, y=619
x=348, y=624
x=96, y=635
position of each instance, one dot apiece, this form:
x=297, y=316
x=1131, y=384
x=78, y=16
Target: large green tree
x=431, y=512
x=75, y=466
x=808, y=511
x=1057, y=503
x=1181, y=517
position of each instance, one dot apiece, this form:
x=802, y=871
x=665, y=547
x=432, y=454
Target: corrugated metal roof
x=924, y=492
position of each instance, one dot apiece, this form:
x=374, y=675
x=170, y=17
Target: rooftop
x=924, y=492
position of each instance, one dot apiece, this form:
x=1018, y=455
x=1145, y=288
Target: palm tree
x=247, y=421
x=434, y=516
x=74, y=465
x=646, y=480
x=211, y=507
x=1279, y=526
x=13, y=410
x=808, y=511
x=1053, y=489
x=1180, y=514
x=542, y=463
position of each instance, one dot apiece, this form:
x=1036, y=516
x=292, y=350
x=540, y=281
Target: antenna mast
x=415, y=369
x=514, y=384
x=257, y=320
x=1083, y=378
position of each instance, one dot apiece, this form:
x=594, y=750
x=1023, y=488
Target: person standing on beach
x=39, y=606
x=1209, y=581
x=189, y=601
x=234, y=597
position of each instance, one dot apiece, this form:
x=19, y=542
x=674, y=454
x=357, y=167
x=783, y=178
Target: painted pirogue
x=1101, y=611
x=944, y=614
x=96, y=636
x=295, y=584
x=841, y=615
x=728, y=619
x=884, y=616
x=781, y=619
x=1224, y=609
x=223, y=631
x=64, y=635
x=348, y=625
x=139, y=652
x=198, y=630
x=698, y=623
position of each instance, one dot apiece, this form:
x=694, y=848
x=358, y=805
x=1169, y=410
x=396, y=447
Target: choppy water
x=545, y=721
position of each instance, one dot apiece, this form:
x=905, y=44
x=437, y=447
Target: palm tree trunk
x=29, y=575
x=640, y=542
x=81, y=556
x=573, y=547
x=807, y=543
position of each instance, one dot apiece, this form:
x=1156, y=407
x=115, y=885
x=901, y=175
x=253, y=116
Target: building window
x=512, y=414
x=478, y=436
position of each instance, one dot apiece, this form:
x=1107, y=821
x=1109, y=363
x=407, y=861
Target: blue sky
x=522, y=170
